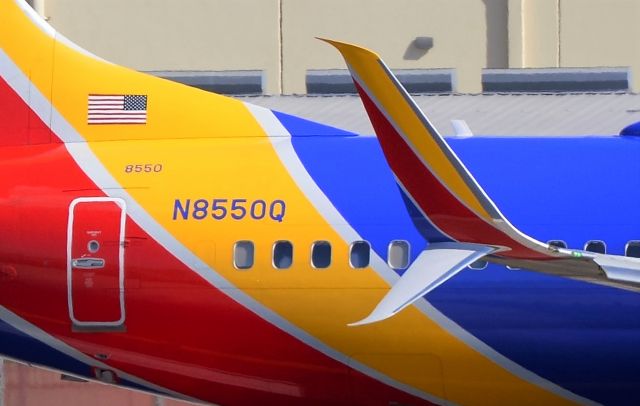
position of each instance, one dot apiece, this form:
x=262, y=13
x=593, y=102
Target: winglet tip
x=362, y=322
x=336, y=44
x=370, y=319
x=346, y=48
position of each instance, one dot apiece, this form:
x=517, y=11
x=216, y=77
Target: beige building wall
x=167, y=35
x=601, y=33
x=277, y=36
x=459, y=29
x=541, y=33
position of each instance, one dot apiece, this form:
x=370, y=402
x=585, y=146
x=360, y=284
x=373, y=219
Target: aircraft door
x=95, y=263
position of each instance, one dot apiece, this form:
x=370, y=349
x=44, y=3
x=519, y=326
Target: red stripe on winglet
x=442, y=208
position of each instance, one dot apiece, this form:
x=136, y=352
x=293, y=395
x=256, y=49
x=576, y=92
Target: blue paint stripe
x=353, y=174
x=299, y=127
x=582, y=337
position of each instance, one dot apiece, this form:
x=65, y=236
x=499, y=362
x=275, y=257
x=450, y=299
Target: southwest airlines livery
x=166, y=239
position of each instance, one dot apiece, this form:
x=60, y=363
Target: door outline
x=123, y=208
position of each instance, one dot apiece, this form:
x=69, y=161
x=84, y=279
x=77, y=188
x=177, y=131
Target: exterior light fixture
x=423, y=43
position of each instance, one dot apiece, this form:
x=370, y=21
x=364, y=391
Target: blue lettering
x=258, y=209
x=237, y=209
x=179, y=208
x=200, y=207
x=277, y=210
x=218, y=208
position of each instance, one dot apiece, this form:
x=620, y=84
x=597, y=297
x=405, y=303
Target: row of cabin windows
x=631, y=249
x=398, y=253
x=359, y=254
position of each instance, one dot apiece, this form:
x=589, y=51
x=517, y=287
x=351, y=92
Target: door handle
x=87, y=263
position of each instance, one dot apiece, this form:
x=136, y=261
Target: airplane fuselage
x=177, y=208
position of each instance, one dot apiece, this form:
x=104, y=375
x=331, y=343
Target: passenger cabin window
x=360, y=254
x=557, y=243
x=321, y=254
x=282, y=254
x=478, y=265
x=632, y=249
x=243, y=252
x=398, y=254
x=596, y=246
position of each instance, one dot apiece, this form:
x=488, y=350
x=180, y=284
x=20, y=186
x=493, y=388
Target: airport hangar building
x=506, y=67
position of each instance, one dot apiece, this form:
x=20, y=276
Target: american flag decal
x=117, y=109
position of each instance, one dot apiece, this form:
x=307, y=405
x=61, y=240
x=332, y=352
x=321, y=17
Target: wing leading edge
x=454, y=207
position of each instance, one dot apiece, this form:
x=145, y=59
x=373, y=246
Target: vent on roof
x=338, y=81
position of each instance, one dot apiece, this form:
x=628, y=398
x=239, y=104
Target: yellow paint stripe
x=321, y=302
x=26, y=45
x=366, y=65
x=174, y=110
